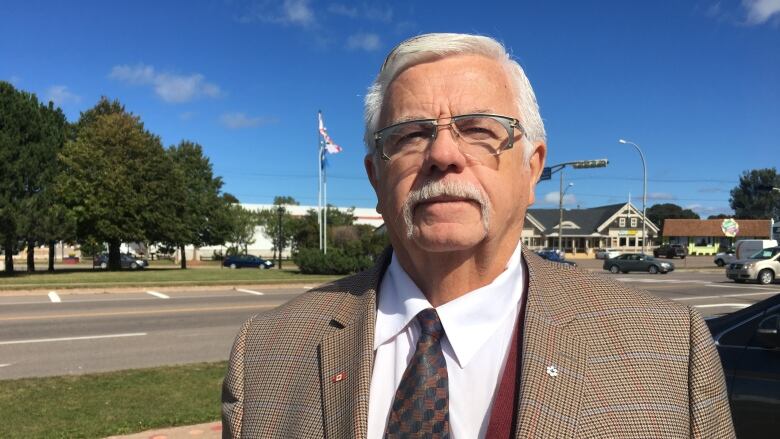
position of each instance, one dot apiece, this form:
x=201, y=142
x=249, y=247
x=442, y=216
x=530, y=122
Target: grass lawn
x=100, y=405
x=159, y=276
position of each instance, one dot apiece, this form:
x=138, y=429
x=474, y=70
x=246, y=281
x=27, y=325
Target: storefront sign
x=730, y=227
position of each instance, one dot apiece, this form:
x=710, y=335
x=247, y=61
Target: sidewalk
x=211, y=430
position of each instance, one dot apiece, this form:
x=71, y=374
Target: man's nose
x=444, y=154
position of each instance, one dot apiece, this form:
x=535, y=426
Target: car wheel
x=103, y=265
x=682, y=257
x=652, y=269
x=133, y=266
x=614, y=269
x=233, y=266
x=766, y=276
x=720, y=263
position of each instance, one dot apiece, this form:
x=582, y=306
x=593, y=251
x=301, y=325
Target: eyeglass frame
x=509, y=123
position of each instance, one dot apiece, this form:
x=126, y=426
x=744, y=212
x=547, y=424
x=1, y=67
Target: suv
x=762, y=267
x=670, y=251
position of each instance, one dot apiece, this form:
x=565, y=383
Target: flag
x=330, y=145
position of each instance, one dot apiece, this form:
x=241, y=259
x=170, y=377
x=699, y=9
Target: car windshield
x=766, y=253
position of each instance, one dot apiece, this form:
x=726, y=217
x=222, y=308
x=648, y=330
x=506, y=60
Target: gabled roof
x=695, y=227
x=588, y=220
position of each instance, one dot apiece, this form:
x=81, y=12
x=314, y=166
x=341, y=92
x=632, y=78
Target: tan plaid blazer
x=629, y=365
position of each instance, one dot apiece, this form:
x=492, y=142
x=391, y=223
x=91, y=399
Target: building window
x=633, y=222
x=622, y=222
x=622, y=242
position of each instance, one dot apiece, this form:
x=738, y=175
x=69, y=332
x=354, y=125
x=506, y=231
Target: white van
x=745, y=248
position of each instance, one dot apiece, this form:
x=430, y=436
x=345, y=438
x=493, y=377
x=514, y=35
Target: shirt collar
x=469, y=321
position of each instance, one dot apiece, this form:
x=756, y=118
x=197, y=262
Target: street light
x=644, y=192
x=548, y=171
x=560, y=209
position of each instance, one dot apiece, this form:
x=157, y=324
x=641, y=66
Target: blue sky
x=696, y=84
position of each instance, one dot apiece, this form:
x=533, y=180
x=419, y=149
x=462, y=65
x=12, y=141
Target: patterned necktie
x=421, y=404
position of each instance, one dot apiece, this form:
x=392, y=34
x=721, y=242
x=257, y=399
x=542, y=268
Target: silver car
x=762, y=267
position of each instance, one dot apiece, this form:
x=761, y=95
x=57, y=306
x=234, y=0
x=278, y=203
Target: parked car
x=555, y=256
x=762, y=267
x=670, y=251
x=637, y=262
x=246, y=261
x=725, y=258
x=608, y=253
x=749, y=347
x=126, y=260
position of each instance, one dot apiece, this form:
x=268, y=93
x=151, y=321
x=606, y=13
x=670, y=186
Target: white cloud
x=187, y=115
x=553, y=197
x=170, y=87
x=292, y=12
x=240, y=120
x=14, y=80
x=342, y=9
x=367, y=42
x=760, y=11
x=660, y=196
x=60, y=95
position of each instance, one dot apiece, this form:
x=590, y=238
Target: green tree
x=719, y=216
x=268, y=219
x=116, y=180
x=753, y=197
x=242, y=228
x=199, y=199
x=659, y=213
x=281, y=200
x=31, y=135
x=306, y=233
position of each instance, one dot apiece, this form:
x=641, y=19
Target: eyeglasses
x=477, y=135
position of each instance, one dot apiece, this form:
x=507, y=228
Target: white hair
x=429, y=47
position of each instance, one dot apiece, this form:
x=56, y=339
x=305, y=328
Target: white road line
x=256, y=293
x=5, y=365
x=54, y=297
x=156, y=294
x=88, y=337
x=751, y=287
x=717, y=305
x=696, y=297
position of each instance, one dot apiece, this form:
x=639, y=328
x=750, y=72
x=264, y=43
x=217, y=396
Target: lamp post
x=644, y=191
x=560, y=209
x=547, y=173
x=280, y=211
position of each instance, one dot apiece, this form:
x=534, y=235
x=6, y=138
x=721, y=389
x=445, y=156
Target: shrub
x=337, y=261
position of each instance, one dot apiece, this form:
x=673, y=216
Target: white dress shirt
x=478, y=328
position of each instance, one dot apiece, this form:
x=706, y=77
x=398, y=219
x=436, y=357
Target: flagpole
x=319, y=180
x=325, y=216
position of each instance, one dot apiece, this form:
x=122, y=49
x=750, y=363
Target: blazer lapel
x=346, y=358
x=554, y=359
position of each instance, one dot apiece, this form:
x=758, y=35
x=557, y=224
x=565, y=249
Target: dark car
x=126, y=260
x=555, y=256
x=637, y=262
x=749, y=348
x=670, y=251
x=246, y=261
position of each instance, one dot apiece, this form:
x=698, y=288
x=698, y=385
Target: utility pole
x=280, y=211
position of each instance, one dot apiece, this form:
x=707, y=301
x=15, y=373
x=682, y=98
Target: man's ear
x=535, y=167
x=373, y=178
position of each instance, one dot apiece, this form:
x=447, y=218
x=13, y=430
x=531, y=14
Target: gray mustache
x=450, y=188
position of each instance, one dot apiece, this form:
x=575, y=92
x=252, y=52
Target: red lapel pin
x=338, y=377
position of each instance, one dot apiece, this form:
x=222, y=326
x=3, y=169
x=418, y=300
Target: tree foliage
x=659, y=213
x=116, y=180
x=753, y=197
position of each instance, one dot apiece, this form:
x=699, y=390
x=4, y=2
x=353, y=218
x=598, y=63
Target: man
x=458, y=331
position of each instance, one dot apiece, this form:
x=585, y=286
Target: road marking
x=156, y=294
x=752, y=287
x=256, y=293
x=54, y=297
x=661, y=281
x=130, y=313
x=696, y=297
x=87, y=337
x=5, y=365
x=717, y=305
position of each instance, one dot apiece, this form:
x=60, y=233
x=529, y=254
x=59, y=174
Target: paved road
x=71, y=333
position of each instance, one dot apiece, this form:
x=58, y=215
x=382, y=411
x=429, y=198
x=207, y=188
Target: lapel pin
x=552, y=371
x=338, y=377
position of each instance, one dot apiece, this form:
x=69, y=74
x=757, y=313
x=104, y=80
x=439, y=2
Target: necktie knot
x=430, y=323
